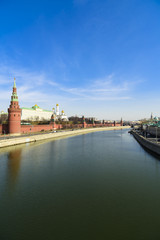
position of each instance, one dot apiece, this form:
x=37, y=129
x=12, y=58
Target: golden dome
x=57, y=104
x=35, y=106
x=62, y=111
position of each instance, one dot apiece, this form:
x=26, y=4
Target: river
x=101, y=185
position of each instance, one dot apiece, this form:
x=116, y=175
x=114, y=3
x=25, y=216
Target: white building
x=36, y=113
x=58, y=115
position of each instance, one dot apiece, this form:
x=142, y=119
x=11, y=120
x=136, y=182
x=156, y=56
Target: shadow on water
x=153, y=154
x=14, y=164
x=95, y=186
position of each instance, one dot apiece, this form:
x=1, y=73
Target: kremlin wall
x=16, y=114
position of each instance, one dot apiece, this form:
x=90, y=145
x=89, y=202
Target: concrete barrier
x=154, y=147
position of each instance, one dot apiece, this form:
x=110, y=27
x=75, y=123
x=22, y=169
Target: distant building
x=59, y=116
x=3, y=116
x=36, y=113
x=2, y=113
x=75, y=119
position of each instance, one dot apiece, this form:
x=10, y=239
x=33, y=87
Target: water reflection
x=104, y=181
x=14, y=162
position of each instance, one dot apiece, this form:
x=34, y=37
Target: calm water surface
x=102, y=185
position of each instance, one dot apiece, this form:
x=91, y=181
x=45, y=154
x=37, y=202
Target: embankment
x=48, y=136
x=147, y=143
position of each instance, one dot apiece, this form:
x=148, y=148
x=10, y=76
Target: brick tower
x=84, y=122
x=121, y=122
x=14, y=113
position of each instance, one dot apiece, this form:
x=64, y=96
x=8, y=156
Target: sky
x=97, y=58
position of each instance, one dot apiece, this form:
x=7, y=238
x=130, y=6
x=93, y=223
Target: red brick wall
x=35, y=128
x=73, y=126
x=39, y=128
x=91, y=125
x=118, y=124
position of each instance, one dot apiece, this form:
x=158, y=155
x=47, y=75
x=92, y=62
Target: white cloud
x=38, y=88
x=102, y=89
x=32, y=84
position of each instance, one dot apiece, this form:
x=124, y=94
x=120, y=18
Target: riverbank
x=55, y=135
x=148, y=143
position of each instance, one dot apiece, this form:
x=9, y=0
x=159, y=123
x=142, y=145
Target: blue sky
x=96, y=58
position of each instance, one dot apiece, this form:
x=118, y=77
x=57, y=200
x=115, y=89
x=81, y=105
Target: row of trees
x=3, y=118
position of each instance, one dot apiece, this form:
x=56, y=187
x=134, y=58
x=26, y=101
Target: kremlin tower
x=14, y=113
x=121, y=122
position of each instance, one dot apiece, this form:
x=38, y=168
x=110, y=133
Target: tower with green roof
x=14, y=113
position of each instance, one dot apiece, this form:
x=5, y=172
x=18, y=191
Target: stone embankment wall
x=154, y=147
x=42, y=137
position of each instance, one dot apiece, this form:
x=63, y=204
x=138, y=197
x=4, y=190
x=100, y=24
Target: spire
x=14, y=85
x=14, y=96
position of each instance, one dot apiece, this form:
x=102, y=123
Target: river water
x=101, y=185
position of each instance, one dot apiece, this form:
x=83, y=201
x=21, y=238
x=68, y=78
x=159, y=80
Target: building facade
x=36, y=113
